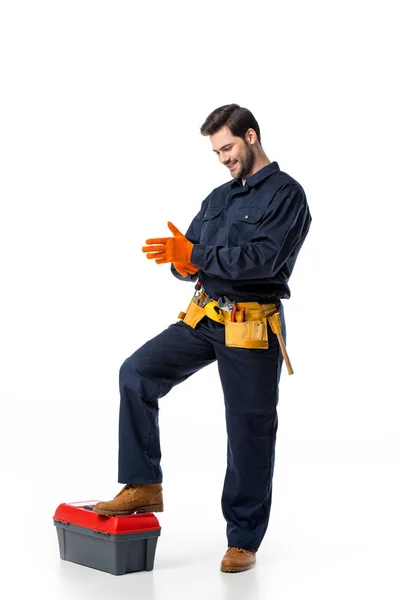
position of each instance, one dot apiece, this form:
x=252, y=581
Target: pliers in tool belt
x=241, y=315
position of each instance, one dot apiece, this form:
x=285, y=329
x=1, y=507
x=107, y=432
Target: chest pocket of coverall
x=212, y=221
x=246, y=221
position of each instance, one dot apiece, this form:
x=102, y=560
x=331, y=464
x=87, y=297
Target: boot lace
x=128, y=486
x=246, y=552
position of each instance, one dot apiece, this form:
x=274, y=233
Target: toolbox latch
x=61, y=521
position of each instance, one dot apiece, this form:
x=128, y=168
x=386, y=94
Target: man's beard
x=247, y=162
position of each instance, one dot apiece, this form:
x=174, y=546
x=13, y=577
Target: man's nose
x=224, y=159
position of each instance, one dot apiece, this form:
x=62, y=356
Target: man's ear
x=251, y=136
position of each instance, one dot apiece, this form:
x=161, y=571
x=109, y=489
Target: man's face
x=233, y=152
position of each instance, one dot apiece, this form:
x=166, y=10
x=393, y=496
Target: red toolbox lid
x=81, y=513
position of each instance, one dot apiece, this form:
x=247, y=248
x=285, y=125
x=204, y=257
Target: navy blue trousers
x=249, y=378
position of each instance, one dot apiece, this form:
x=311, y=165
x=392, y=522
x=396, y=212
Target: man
x=242, y=246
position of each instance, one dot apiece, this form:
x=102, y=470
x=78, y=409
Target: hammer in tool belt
x=275, y=323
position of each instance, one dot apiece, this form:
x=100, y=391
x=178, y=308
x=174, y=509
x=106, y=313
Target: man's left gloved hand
x=186, y=269
x=172, y=249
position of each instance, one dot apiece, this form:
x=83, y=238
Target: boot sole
x=140, y=509
x=237, y=569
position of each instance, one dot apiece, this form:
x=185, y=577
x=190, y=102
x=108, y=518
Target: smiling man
x=243, y=157
x=240, y=248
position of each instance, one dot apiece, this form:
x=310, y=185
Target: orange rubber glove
x=186, y=268
x=175, y=249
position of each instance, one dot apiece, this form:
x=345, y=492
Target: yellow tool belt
x=252, y=332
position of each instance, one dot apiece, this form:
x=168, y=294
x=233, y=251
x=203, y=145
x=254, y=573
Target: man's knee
x=129, y=369
x=132, y=377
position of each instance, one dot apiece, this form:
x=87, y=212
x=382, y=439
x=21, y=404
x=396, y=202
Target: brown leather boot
x=134, y=497
x=238, y=559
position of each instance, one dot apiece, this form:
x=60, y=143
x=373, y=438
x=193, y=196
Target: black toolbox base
x=116, y=554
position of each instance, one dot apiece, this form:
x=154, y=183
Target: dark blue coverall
x=246, y=242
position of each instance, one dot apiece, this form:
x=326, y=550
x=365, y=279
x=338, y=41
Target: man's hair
x=237, y=118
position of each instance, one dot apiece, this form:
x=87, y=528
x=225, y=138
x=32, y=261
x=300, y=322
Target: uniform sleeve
x=193, y=235
x=284, y=227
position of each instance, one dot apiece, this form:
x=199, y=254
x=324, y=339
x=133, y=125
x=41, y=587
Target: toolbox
x=118, y=545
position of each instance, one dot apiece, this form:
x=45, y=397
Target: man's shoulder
x=284, y=180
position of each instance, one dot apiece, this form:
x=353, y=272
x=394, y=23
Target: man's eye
x=226, y=150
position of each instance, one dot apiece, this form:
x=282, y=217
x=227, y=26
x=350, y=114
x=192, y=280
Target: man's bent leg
x=147, y=375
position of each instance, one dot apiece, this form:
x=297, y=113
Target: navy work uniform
x=246, y=236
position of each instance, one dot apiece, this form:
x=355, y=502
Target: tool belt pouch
x=194, y=314
x=249, y=334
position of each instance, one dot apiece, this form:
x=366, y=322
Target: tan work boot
x=238, y=559
x=134, y=497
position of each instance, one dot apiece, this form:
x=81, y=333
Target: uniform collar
x=258, y=175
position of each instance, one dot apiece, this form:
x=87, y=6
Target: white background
x=101, y=106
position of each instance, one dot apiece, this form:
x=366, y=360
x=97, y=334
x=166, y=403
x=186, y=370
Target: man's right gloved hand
x=186, y=268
